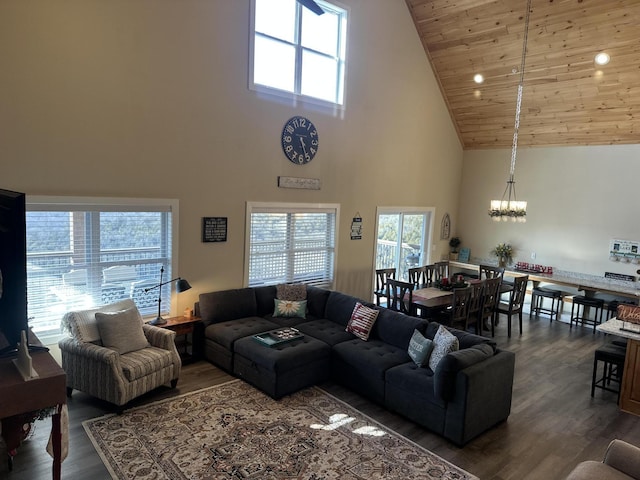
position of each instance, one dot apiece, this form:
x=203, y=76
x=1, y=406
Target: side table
x=183, y=328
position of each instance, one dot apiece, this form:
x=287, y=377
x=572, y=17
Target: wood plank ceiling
x=567, y=98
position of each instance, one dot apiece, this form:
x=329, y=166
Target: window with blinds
x=291, y=244
x=82, y=253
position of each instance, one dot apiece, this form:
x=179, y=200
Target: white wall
x=579, y=198
x=149, y=98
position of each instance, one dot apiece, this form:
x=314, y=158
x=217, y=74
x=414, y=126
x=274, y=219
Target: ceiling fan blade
x=311, y=5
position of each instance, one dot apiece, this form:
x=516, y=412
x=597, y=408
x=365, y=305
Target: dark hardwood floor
x=554, y=422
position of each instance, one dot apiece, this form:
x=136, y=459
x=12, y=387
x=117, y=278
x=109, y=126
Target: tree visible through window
x=291, y=244
x=84, y=254
x=403, y=238
x=297, y=51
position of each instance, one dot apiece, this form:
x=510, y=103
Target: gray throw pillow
x=295, y=292
x=443, y=343
x=122, y=331
x=420, y=348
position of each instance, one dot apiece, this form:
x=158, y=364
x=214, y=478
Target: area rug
x=233, y=431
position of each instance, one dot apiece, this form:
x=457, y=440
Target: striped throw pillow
x=362, y=320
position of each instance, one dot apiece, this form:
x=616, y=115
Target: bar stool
x=595, y=304
x=538, y=294
x=612, y=309
x=612, y=356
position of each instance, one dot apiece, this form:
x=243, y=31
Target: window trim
x=290, y=208
x=55, y=203
x=293, y=96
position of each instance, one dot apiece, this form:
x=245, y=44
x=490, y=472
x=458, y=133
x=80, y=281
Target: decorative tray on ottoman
x=278, y=336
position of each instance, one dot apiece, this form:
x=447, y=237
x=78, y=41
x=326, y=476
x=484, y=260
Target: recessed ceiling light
x=602, y=58
x=478, y=78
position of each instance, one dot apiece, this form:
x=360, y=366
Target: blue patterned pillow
x=420, y=348
x=289, y=308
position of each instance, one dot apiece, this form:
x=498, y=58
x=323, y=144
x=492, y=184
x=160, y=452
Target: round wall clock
x=299, y=140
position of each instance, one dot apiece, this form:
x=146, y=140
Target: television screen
x=13, y=269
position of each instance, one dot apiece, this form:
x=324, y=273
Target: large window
x=86, y=252
x=291, y=244
x=297, y=51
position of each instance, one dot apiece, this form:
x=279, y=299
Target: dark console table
x=19, y=398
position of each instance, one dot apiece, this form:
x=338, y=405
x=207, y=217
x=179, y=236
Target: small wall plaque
x=356, y=227
x=445, y=227
x=214, y=229
x=619, y=276
x=296, y=182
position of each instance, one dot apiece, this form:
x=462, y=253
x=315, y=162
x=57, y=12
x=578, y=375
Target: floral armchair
x=112, y=355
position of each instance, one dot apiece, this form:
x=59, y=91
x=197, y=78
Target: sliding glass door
x=403, y=238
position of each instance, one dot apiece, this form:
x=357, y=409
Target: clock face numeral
x=300, y=140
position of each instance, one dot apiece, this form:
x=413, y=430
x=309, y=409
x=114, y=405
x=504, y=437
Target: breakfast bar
x=590, y=284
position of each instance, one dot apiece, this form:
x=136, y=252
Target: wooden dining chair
x=382, y=274
x=514, y=304
x=400, y=295
x=474, y=315
x=441, y=270
x=490, y=299
x=418, y=276
x=457, y=313
x=429, y=275
x=489, y=271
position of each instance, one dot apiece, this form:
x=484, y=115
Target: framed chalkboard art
x=214, y=229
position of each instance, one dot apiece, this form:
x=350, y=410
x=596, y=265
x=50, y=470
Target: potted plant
x=504, y=252
x=454, y=243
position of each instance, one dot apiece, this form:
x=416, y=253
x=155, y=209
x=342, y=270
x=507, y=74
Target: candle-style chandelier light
x=509, y=208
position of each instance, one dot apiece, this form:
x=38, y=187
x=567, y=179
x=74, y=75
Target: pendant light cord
x=514, y=146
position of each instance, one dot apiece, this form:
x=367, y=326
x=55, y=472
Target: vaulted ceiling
x=567, y=98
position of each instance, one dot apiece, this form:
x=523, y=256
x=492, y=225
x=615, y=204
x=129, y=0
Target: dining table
x=432, y=298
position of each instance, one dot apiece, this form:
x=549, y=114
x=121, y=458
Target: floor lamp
x=181, y=286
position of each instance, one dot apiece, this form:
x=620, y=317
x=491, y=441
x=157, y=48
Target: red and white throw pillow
x=362, y=320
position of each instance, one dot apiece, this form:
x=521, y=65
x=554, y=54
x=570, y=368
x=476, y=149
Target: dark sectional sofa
x=469, y=392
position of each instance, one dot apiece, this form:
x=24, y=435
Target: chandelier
x=509, y=208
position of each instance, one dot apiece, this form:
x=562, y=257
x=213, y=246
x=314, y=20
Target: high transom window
x=295, y=50
x=291, y=244
x=86, y=252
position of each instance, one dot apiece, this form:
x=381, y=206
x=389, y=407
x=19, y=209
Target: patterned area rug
x=233, y=431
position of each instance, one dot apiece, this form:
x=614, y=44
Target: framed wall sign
x=356, y=227
x=464, y=254
x=214, y=229
x=625, y=251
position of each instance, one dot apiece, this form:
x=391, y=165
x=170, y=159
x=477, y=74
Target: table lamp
x=181, y=286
